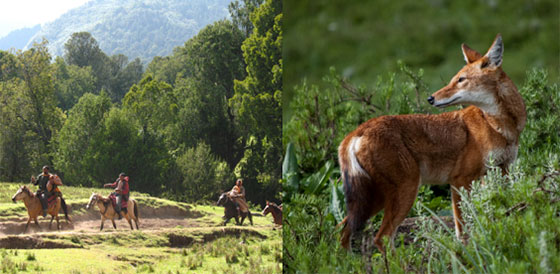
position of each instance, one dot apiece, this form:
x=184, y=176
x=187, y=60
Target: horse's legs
x=243, y=216
x=114, y=225
x=27, y=225
x=50, y=224
x=57, y=223
x=250, y=217
x=37, y=223
x=129, y=221
x=237, y=220
x=102, y=222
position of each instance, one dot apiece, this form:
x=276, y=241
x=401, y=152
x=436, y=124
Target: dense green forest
x=185, y=127
x=349, y=61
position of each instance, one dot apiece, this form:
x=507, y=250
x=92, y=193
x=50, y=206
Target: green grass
x=144, y=252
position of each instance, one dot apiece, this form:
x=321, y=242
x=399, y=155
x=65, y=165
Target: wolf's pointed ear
x=470, y=55
x=496, y=52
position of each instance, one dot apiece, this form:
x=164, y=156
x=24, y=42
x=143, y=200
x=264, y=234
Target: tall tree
x=257, y=98
x=29, y=107
x=216, y=58
x=83, y=50
x=74, y=152
x=71, y=82
x=240, y=12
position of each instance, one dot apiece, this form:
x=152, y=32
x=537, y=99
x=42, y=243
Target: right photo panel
x=421, y=136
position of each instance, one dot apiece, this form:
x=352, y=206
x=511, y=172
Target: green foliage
x=84, y=125
x=203, y=174
x=363, y=38
x=30, y=116
x=71, y=82
x=256, y=104
x=114, y=74
x=542, y=131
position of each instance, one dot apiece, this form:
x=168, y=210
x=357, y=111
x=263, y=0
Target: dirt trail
x=150, y=219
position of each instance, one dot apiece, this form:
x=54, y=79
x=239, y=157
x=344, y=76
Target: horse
x=275, y=210
x=230, y=210
x=108, y=212
x=34, y=208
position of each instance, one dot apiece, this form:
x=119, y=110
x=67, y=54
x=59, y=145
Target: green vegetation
x=230, y=254
x=184, y=129
x=512, y=221
x=364, y=39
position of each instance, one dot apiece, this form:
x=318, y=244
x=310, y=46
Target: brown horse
x=34, y=208
x=275, y=210
x=108, y=212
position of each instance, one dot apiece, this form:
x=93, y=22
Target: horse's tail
x=136, y=210
x=65, y=209
x=250, y=216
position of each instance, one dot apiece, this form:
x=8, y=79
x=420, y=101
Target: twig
x=519, y=206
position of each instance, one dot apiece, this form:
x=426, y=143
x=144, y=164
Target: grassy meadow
x=202, y=245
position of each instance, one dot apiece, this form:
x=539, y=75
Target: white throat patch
x=480, y=98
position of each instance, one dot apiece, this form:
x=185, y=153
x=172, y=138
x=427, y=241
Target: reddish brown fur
x=385, y=159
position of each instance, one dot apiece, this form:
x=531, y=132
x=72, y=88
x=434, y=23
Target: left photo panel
x=141, y=136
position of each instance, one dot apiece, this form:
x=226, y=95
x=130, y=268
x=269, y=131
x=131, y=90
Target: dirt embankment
x=32, y=242
x=90, y=221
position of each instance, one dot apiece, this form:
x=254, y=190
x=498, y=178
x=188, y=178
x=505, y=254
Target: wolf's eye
x=461, y=79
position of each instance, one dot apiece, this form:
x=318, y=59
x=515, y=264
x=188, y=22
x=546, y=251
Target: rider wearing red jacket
x=121, y=191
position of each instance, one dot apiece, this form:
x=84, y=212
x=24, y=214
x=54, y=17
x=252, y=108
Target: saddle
x=51, y=201
x=113, y=199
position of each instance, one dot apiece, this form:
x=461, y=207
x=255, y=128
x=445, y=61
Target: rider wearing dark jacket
x=42, y=193
x=121, y=191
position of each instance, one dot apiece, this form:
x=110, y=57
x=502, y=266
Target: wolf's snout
x=431, y=100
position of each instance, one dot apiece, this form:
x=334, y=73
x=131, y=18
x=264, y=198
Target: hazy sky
x=28, y=13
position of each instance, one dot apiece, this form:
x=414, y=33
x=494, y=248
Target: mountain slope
x=143, y=29
x=18, y=39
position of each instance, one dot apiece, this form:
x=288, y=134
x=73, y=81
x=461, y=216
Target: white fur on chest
x=501, y=156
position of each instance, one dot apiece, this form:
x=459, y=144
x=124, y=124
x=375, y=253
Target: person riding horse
x=121, y=191
x=43, y=193
x=237, y=194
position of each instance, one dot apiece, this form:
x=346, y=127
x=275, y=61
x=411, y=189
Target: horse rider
x=121, y=191
x=42, y=193
x=237, y=194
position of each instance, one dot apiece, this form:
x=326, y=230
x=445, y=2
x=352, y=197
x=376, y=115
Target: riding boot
x=119, y=204
x=43, y=200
